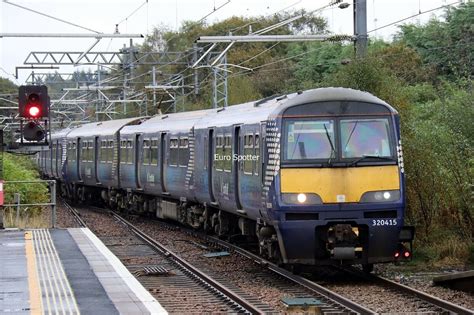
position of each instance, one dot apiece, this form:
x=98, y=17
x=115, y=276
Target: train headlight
x=380, y=196
x=302, y=198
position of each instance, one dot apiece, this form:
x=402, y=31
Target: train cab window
x=248, y=151
x=129, y=152
x=123, y=152
x=174, y=149
x=365, y=137
x=110, y=151
x=183, y=155
x=146, y=152
x=227, y=153
x=309, y=139
x=219, y=155
x=256, y=154
x=154, y=152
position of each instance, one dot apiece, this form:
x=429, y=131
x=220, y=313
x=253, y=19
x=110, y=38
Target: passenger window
x=248, y=152
x=183, y=155
x=227, y=153
x=146, y=152
x=123, y=152
x=129, y=152
x=219, y=155
x=174, y=148
x=154, y=152
x=256, y=154
x=103, y=151
x=110, y=151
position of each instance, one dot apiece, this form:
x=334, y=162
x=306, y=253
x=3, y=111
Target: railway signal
x=33, y=101
x=33, y=108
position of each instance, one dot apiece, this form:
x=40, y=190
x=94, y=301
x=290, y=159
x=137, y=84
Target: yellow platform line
x=36, y=305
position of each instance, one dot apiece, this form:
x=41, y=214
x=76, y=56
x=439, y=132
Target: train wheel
x=368, y=268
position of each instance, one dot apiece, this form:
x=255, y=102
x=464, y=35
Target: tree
x=446, y=45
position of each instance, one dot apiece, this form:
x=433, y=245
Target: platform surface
x=66, y=271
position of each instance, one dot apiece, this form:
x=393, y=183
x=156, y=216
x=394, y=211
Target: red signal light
x=397, y=254
x=34, y=111
x=406, y=254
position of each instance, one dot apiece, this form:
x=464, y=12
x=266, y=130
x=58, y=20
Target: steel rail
x=308, y=284
x=444, y=305
x=244, y=304
x=75, y=214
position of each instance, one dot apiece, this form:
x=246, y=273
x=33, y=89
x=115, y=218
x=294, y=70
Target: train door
x=96, y=159
x=57, y=159
x=210, y=166
x=78, y=158
x=262, y=147
x=235, y=166
x=137, y=161
x=163, y=161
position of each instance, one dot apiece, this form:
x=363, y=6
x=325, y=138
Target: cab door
x=211, y=162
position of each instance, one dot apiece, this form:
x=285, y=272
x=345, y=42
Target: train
x=314, y=177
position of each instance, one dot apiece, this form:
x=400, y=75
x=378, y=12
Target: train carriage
x=93, y=157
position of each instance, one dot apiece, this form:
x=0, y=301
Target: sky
x=140, y=16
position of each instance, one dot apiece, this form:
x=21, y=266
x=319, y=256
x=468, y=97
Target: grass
x=40, y=219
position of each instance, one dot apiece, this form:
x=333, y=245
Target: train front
x=339, y=192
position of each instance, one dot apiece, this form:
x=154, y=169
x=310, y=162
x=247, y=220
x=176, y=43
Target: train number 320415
x=384, y=222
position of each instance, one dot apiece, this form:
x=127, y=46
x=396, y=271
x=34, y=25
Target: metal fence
x=20, y=209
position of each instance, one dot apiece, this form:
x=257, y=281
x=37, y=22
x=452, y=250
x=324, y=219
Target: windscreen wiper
x=333, y=150
x=365, y=156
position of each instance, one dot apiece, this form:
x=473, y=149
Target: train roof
x=171, y=122
x=58, y=134
x=249, y=113
x=335, y=94
x=102, y=128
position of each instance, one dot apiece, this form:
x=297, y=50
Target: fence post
x=53, y=203
x=16, y=199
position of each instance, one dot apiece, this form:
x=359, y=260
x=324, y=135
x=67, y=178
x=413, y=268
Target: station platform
x=66, y=271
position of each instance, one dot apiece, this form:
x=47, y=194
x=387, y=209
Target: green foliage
x=373, y=76
x=321, y=60
x=446, y=45
x=22, y=168
x=438, y=149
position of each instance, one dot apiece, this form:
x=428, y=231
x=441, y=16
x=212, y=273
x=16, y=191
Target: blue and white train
x=316, y=177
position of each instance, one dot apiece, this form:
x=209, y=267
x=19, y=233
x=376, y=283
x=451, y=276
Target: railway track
x=428, y=302
x=328, y=302
x=332, y=302
x=169, y=276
